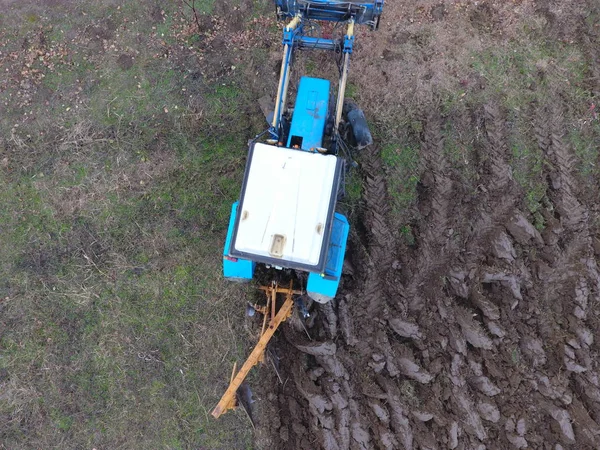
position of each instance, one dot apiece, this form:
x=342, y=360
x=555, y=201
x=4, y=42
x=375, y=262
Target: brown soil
x=483, y=334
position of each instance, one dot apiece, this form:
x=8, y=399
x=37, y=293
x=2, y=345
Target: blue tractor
x=286, y=214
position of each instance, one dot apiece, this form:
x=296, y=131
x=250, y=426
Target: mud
x=482, y=345
x=483, y=334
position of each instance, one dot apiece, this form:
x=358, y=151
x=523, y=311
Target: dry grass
x=117, y=329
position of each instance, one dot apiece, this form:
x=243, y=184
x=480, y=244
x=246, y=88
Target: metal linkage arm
x=284, y=77
x=317, y=43
x=364, y=12
x=353, y=12
x=348, y=46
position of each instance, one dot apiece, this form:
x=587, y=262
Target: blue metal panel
x=337, y=246
x=310, y=113
x=314, y=43
x=235, y=268
x=325, y=285
x=363, y=12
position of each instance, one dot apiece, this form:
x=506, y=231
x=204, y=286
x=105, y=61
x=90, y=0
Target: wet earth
x=481, y=333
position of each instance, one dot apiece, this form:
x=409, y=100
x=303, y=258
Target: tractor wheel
x=358, y=128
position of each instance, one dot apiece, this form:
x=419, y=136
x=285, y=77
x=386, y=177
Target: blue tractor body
x=310, y=114
x=285, y=217
x=362, y=12
x=236, y=269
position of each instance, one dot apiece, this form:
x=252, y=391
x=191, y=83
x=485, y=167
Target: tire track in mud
x=530, y=370
x=495, y=224
x=500, y=195
x=468, y=343
x=324, y=404
x=570, y=271
x=434, y=248
x=435, y=176
x=424, y=369
x=380, y=248
x=348, y=373
x=498, y=349
x=404, y=354
x=536, y=405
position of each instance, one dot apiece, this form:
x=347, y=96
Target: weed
x=351, y=91
x=408, y=235
x=353, y=186
x=515, y=356
x=587, y=153
x=402, y=164
x=528, y=169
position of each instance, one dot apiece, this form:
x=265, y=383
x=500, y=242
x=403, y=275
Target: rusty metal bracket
x=275, y=318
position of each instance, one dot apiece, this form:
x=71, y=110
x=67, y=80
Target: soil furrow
x=489, y=340
x=433, y=248
x=326, y=380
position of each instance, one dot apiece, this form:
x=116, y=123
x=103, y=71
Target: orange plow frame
x=228, y=401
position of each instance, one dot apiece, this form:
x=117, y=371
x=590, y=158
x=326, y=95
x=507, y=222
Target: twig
x=192, y=5
x=90, y=260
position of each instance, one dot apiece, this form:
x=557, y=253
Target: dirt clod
x=523, y=231
x=125, y=61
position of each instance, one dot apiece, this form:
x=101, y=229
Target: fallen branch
x=192, y=5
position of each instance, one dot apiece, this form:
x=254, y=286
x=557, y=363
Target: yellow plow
x=272, y=320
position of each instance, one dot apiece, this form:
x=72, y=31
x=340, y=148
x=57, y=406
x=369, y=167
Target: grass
x=521, y=74
x=582, y=141
x=110, y=327
x=353, y=188
x=118, y=330
x=528, y=171
x=401, y=161
x=527, y=77
x=352, y=91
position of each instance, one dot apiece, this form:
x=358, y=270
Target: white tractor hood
x=286, y=207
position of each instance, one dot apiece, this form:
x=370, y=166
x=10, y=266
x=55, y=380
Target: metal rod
x=284, y=76
x=341, y=92
x=343, y=81
x=228, y=400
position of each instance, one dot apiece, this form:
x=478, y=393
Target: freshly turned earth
x=483, y=333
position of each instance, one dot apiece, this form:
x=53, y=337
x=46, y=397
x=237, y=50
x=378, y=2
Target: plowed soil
x=482, y=331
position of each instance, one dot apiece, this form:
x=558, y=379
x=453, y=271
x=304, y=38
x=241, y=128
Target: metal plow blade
x=246, y=400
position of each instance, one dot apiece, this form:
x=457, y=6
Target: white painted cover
x=288, y=193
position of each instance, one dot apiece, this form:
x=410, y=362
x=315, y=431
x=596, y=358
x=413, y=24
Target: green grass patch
x=351, y=91
x=201, y=6
x=587, y=150
x=401, y=161
x=527, y=164
x=353, y=190
x=520, y=73
x=119, y=328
